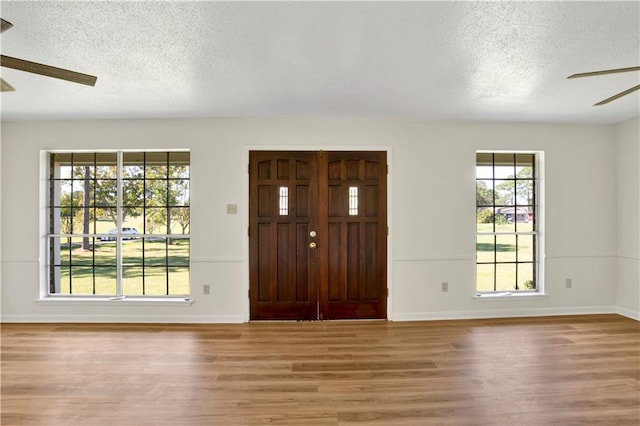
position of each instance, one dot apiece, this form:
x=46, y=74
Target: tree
x=104, y=190
x=484, y=195
x=183, y=217
x=170, y=195
x=70, y=212
x=164, y=191
x=510, y=192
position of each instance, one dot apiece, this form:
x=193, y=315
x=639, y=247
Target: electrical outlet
x=206, y=289
x=444, y=286
x=568, y=283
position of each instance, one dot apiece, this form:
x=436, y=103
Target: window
x=119, y=224
x=284, y=201
x=506, y=216
x=353, y=201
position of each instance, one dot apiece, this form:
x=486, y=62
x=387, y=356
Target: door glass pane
x=284, y=201
x=353, y=200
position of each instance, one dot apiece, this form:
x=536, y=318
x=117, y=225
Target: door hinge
x=387, y=169
x=387, y=292
x=249, y=293
x=249, y=168
x=248, y=231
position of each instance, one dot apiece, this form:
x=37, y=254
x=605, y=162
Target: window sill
x=122, y=301
x=510, y=296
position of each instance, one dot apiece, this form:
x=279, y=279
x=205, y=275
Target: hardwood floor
x=537, y=371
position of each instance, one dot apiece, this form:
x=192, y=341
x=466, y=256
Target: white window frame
x=45, y=293
x=539, y=199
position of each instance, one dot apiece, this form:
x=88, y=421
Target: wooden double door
x=317, y=235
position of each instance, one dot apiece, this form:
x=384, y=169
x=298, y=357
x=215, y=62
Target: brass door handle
x=313, y=244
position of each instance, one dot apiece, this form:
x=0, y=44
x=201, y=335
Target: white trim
x=112, y=150
x=460, y=258
x=629, y=257
x=123, y=236
x=45, y=235
x=504, y=313
x=119, y=224
x=236, y=319
x=511, y=295
x=629, y=313
x=539, y=233
x=116, y=301
x=499, y=233
x=216, y=259
x=580, y=256
x=111, y=318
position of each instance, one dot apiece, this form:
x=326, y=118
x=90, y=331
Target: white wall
x=0, y=221
x=432, y=215
x=628, y=217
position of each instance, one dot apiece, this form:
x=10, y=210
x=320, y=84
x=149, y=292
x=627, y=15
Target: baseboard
x=160, y=319
x=629, y=313
x=504, y=313
x=235, y=319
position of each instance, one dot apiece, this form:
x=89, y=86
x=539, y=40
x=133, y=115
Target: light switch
x=232, y=209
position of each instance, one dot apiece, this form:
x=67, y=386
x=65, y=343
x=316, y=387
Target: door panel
x=356, y=243
x=283, y=191
x=342, y=197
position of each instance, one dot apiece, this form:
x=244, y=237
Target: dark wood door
x=353, y=274
x=317, y=235
x=283, y=198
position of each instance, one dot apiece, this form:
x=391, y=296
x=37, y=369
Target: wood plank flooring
x=536, y=371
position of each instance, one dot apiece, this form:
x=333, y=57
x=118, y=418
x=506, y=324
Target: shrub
x=484, y=216
x=500, y=220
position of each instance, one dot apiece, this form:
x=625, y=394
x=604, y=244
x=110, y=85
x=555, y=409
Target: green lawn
x=504, y=248
x=162, y=262
x=501, y=248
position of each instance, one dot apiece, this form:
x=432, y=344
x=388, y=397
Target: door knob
x=313, y=244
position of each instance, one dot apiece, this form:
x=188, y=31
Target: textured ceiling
x=490, y=61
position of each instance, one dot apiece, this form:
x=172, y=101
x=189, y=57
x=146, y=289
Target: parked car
x=127, y=234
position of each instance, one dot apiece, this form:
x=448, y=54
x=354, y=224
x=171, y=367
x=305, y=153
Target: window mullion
x=144, y=220
x=168, y=241
x=119, y=198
